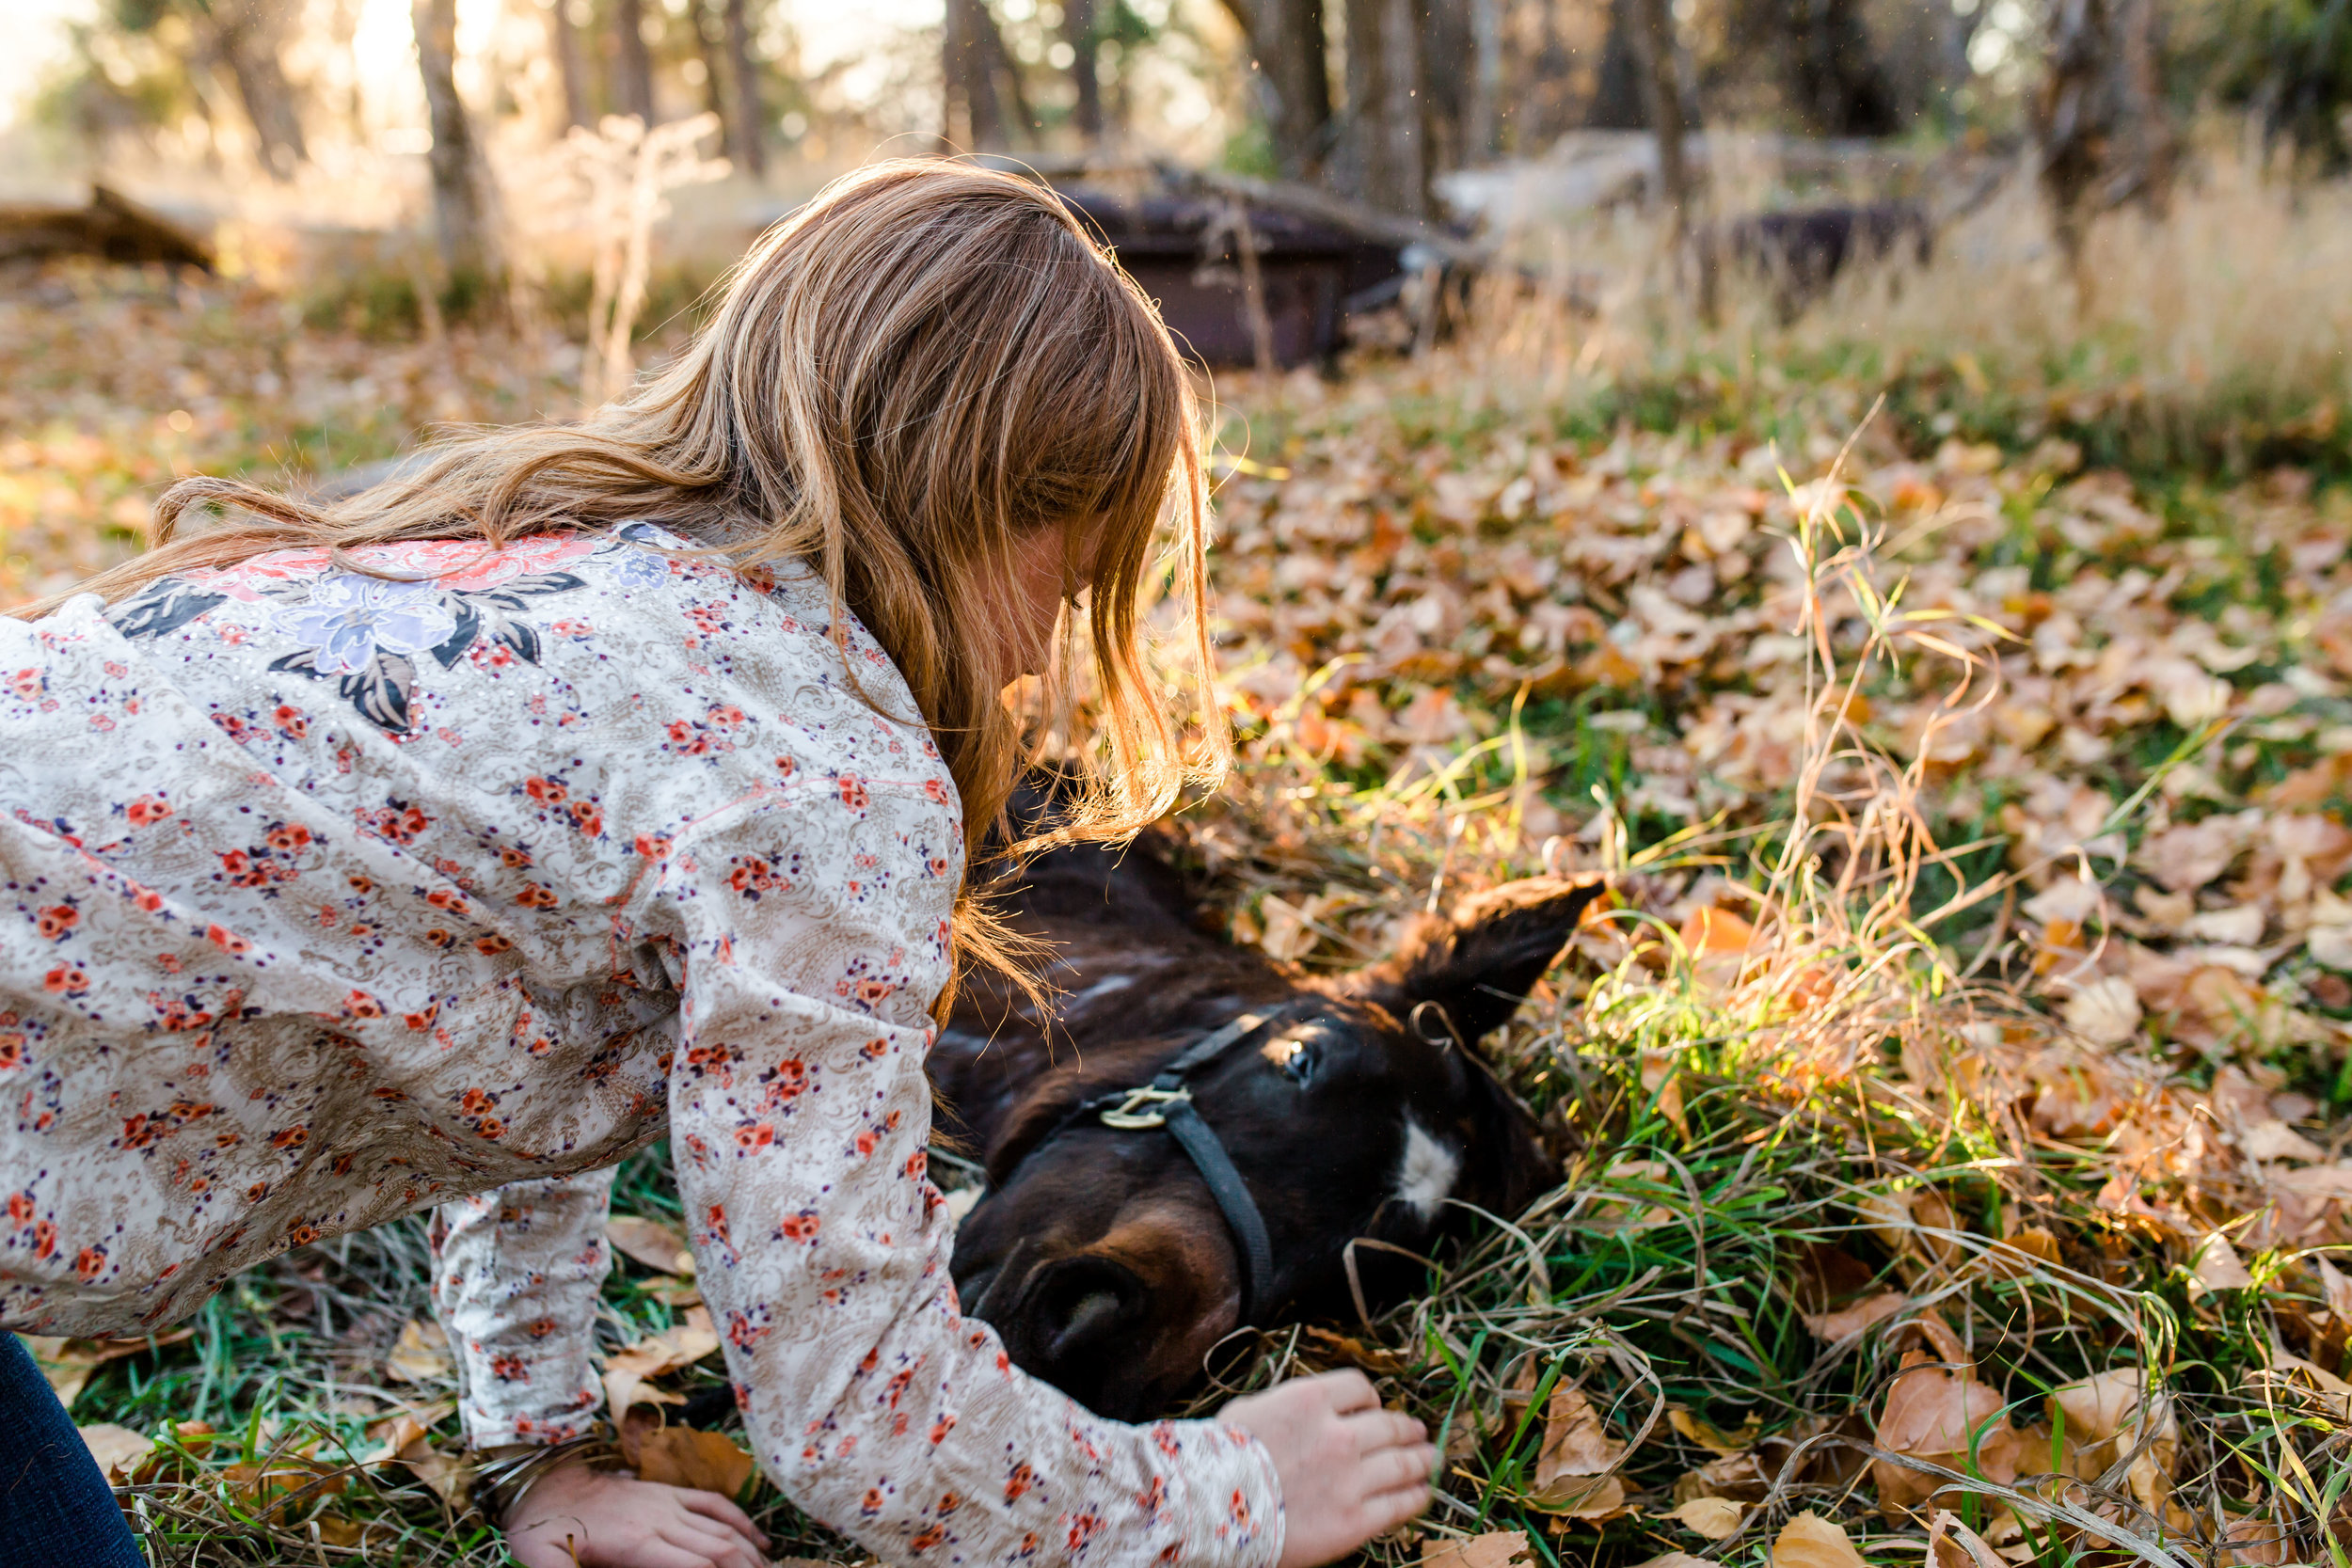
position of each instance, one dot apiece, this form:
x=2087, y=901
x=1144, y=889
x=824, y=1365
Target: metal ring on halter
x=1165, y=1104
x=1127, y=1118
x=1447, y=1041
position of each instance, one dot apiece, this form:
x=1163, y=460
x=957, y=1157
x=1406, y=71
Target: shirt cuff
x=1236, y=1514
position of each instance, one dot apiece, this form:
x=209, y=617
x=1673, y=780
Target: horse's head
x=1357, y=1110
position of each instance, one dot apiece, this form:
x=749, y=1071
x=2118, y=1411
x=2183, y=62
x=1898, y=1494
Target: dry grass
x=1807, y=1157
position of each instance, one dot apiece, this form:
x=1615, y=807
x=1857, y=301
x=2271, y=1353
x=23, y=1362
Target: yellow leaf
x=1711, y=1437
x=1809, y=1541
x=420, y=1354
x=1715, y=1518
x=705, y=1461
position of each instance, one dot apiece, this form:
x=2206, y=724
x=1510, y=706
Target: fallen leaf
x=2020, y=1255
x=650, y=1243
x=2256, y=1541
x=1716, y=1518
x=389, y=1436
x=2218, y=1268
x=705, y=1461
x=1953, y=1544
x=420, y=1354
x=66, y=1364
x=1675, y=1559
x=633, y=1428
x=1575, y=1441
x=2105, y=1012
x=1946, y=1418
x=2336, y=1286
x=446, y=1474
x=1809, y=1541
x=1497, y=1548
x=261, y=1483
x=1846, y=1321
x=1589, y=1498
x=1660, y=1079
x=2273, y=1139
x=626, y=1371
x=2102, y=1417
x=336, y=1530
x=1290, y=934
x=1711, y=1437
x=117, y=1449
x=1735, y=1476
x=1348, y=1350
x=1912, y=1224
x=1717, y=942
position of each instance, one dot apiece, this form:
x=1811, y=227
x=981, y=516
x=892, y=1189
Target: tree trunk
x=1482, y=123
x=564, y=43
x=1448, y=78
x=975, y=113
x=1387, y=164
x=710, y=49
x=1653, y=43
x=245, y=40
x=985, y=106
x=1620, y=95
x=1077, y=30
x=457, y=205
x=633, y=64
x=1292, y=79
x=2153, y=145
x=2074, y=119
x=751, y=155
x=1831, y=79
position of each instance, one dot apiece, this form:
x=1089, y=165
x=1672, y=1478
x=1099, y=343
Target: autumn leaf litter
x=1951, y=1099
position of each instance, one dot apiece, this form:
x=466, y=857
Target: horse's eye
x=1294, y=1056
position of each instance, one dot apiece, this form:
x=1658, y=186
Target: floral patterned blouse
x=338, y=895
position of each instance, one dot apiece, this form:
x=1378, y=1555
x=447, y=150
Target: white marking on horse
x=1102, y=987
x=1424, y=1178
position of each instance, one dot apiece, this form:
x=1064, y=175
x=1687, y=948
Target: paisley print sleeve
x=516, y=1272
x=810, y=929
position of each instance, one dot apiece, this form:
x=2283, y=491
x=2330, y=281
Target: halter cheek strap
x=1167, y=1102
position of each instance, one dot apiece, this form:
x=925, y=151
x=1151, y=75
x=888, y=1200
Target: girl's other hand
x=1349, y=1469
x=576, y=1517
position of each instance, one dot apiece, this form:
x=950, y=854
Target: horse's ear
x=1479, y=965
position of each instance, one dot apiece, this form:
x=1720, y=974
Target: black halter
x=1167, y=1102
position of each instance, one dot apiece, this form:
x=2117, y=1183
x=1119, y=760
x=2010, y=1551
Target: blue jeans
x=55, y=1508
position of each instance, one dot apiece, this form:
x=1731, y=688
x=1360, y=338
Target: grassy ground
x=1954, y=1097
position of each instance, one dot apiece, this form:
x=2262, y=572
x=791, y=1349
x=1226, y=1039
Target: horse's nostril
x=1093, y=1315
x=986, y=1283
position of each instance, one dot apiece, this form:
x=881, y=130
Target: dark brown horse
x=1349, y=1107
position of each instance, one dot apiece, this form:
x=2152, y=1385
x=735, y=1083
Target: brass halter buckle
x=1128, y=1116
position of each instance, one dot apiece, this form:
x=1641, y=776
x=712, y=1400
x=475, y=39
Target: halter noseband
x=1167, y=1102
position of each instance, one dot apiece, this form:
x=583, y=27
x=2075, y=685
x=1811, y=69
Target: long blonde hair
x=927, y=363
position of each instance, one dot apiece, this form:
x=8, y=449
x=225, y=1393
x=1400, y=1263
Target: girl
x=610, y=783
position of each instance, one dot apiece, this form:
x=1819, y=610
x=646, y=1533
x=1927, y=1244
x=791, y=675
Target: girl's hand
x=1349, y=1469
x=576, y=1517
